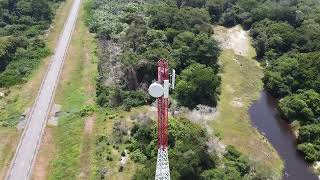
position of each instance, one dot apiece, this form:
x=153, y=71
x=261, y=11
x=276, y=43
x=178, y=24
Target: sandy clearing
x=233, y=38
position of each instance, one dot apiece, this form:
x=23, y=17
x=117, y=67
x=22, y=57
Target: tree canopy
x=22, y=22
x=189, y=155
x=147, y=32
x=197, y=84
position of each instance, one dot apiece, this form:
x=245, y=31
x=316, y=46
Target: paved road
x=23, y=161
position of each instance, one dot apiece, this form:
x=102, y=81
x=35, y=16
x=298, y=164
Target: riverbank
x=241, y=83
x=265, y=117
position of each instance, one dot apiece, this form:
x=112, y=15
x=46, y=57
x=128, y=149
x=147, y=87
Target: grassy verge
x=241, y=84
x=73, y=93
x=22, y=96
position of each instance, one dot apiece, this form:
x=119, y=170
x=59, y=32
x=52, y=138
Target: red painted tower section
x=163, y=74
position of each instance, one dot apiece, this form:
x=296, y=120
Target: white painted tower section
x=163, y=170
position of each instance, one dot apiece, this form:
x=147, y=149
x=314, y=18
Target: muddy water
x=264, y=116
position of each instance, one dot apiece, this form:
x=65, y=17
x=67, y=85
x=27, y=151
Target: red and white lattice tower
x=163, y=171
x=160, y=90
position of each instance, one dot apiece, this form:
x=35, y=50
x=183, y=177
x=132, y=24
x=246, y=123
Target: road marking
x=22, y=163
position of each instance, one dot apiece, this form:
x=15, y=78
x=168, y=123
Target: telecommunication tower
x=160, y=90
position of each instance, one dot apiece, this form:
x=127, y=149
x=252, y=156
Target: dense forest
x=286, y=35
x=22, y=26
x=132, y=36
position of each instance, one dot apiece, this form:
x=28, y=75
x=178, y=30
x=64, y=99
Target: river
x=265, y=117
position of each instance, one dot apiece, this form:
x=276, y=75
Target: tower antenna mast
x=160, y=90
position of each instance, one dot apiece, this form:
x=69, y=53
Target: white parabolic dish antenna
x=156, y=90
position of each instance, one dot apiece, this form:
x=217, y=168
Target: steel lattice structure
x=162, y=170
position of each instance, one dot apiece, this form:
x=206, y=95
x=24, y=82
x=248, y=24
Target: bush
x=123, y=153
x=134, y=98
x=138, y=156
x=310, y=151
x=197, y=84
x=109, y=158
x=87, y=110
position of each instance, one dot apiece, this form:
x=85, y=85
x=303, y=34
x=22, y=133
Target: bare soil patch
x=237, y=102
x=89, y=123
x=234, y=38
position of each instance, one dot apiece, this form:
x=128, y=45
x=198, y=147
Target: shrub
x=138, y=156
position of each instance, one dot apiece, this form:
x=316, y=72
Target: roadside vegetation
x=24, y=27
x=286, y=35
x=17, y=98
x=23, y=23
x=76, y=95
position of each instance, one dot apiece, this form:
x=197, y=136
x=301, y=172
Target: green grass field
x=241, y=84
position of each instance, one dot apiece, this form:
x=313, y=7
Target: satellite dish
x=156, y=90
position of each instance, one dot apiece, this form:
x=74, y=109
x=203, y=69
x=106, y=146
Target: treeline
x=144, y=32
x=22, y=22
x=286, y=35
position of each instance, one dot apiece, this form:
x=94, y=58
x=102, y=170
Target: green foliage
x=21, y=24
x=304, y=106
x=309, y=137
x=288, y=74
x=148, y=32
x=134, y=98
x=183, y=19
x=197, y=84
x=311, y=151
x=276, y=37
x=106, y=17
x=309, y=133
x=114, y=96
x=227, y=173
x=87, y=110
x=189, y=48
x=138, y=156
x=189, y=156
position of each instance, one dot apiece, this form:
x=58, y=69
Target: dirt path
x=87, y=148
